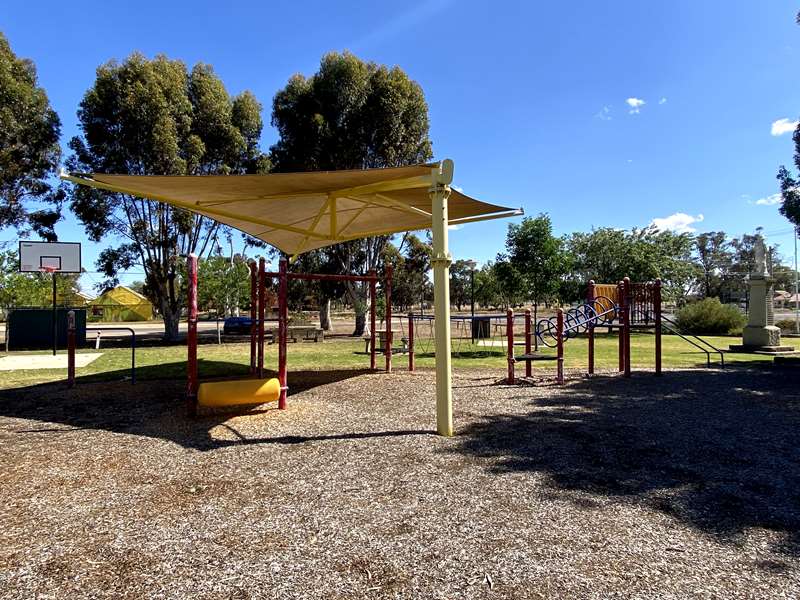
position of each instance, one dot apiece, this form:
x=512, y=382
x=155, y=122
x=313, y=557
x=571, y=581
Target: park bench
x=301, y=332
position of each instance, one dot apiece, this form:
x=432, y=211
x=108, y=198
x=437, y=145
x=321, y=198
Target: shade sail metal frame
x=298, y=212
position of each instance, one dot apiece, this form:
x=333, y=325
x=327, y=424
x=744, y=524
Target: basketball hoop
x=48, y=269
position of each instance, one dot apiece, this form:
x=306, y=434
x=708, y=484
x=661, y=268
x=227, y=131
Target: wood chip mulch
x=683, y=485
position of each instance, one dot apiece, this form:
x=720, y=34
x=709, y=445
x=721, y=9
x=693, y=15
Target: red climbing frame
x=528, y=364
x=258, y=300
x=191, y=336
x=590, y=296
x=283, y=275
x=253, y=314
x=638, y=305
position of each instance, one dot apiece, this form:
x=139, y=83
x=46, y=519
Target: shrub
x=711, y=317
x=786, y=325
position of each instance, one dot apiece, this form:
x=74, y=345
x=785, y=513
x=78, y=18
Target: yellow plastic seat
x=234, y=393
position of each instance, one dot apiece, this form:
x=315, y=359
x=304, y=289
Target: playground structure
x=624, y=306
x=257, y=389
x=299, y=212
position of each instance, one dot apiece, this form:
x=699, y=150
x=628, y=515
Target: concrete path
x=16, y=362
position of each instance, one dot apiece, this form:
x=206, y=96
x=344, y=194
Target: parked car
x=236, y=325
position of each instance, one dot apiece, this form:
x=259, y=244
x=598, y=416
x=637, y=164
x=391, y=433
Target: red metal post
x=283, y=324
x=388, y=346
x=590, y=295
x=262, y=307
x=528, y=363
x=191, y=337
x=71, y=348
x=627, y=283
x=411, y=341
x=510, y=342
x=560, y=346
x=253, y=314
x=621, y=318
x=373, y=296
x=657, y=310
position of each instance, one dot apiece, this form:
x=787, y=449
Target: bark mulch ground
x=683, y=485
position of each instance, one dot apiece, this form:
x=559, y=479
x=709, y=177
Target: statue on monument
x=761, y=257
x=760, y=334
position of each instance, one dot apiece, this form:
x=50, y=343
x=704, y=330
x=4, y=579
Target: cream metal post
x=439, y=192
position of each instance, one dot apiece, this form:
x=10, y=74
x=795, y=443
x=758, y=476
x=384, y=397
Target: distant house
x=784, y=299
x=81, y=299
x=121, y=304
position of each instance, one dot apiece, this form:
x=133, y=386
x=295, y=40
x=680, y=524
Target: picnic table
x=300, y=332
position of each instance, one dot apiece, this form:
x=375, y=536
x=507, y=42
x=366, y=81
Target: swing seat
x=535, y=356
x=215, y=394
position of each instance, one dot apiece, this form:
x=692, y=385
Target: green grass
x=231, y=360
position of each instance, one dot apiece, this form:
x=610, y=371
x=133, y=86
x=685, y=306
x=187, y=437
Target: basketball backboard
x=56, y=257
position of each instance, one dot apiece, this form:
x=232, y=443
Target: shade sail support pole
x=439, y=192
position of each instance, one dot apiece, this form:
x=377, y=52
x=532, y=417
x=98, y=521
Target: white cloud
x=454, y=227
x=782, y=126
x=636, y=104
x=604, y=114
x=678, y=222
x=769, y=200
x=663, y=100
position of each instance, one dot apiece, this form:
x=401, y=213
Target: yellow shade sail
x=298, y=212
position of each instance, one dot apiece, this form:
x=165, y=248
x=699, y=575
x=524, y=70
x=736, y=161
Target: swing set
x=257, y=389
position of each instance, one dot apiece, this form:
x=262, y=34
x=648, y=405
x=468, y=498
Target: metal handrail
x=590, y=320
x=675, y=330
x=133, y=345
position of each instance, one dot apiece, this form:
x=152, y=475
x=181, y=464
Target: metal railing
x=694, y=340
x=100, y=330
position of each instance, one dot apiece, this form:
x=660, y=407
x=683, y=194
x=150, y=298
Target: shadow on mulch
x=156, y=408
x=717, y=450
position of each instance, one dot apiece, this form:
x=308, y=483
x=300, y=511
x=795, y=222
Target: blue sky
x=600, y=114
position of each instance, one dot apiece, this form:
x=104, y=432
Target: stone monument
x=760, y=334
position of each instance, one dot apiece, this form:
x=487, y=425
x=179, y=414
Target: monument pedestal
x=760, y=336
x=768, y=335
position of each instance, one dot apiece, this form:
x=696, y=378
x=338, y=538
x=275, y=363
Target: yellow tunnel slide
x=233, y=393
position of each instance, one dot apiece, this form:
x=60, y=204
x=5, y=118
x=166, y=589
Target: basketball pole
x=55, y=323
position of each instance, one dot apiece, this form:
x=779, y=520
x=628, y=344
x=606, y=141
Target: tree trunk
x=325, y=315
x=361, y=324
x=361, y=306
x=171, y=321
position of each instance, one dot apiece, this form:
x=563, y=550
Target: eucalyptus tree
x=538, y=256
x=29, y=149
x=351, y=114
x=714, y=259
x=155, y=117
x=790, y=184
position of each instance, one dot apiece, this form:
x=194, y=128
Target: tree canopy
x=154, y=117
x=351, y=114
x=790, y=185
x=29, y=149
x=537, y=256
x=608, y=255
